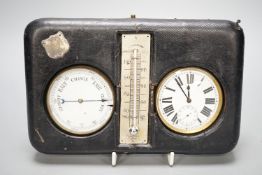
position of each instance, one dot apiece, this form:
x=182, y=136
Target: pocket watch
x=189, y=100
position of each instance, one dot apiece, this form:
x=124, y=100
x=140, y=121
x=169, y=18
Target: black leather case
x=215, y=45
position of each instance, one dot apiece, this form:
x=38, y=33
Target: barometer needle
x=81, y=100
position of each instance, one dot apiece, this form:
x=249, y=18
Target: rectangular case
x=216, y=45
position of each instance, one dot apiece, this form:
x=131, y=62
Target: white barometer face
x=189, y=100
x=80, y=100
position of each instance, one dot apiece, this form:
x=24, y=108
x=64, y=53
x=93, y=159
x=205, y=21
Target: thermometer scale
x=135, y=68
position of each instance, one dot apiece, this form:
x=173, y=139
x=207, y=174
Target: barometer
x=80, y=100
x=168, y=86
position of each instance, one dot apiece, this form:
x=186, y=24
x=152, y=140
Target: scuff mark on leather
x=39, y=135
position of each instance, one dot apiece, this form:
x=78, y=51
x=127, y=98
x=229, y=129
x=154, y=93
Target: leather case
x=215, y=45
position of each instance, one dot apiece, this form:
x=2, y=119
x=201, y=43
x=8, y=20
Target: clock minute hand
x=181, y=88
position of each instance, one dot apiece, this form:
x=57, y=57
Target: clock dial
x=80, y=100
x=189, y=100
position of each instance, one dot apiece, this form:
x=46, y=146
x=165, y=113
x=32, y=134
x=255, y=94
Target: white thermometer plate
x=135, y=72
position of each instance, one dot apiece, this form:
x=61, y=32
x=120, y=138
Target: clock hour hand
x=188, y=94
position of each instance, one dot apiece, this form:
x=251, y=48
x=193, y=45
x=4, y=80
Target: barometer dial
x=189, y=100
x=80, y=100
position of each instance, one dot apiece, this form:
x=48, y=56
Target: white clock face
x=80, y=100
x=189, y=100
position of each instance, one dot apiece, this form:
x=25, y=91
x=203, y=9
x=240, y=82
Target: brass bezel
x=214, y=116
x=53, y=118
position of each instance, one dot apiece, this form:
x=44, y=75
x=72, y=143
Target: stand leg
x=171, y=158
x=114, y=159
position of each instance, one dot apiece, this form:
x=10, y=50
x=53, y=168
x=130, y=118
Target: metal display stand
x=170, y=158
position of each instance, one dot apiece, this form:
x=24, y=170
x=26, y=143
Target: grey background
x=17, y=156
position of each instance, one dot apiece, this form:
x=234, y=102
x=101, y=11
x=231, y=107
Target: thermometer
x=135, y=68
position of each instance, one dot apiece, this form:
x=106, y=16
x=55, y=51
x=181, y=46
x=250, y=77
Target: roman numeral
x=167, y=100
x=206, y=111
x=190, y=78
x=174, y=118
x=210, y=101
x=168, y=88
x=169, y=110
x=208, y=90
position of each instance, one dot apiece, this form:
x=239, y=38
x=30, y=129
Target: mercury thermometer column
x=135, y=69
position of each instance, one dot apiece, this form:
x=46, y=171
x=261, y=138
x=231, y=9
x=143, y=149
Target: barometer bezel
x=53, y=118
